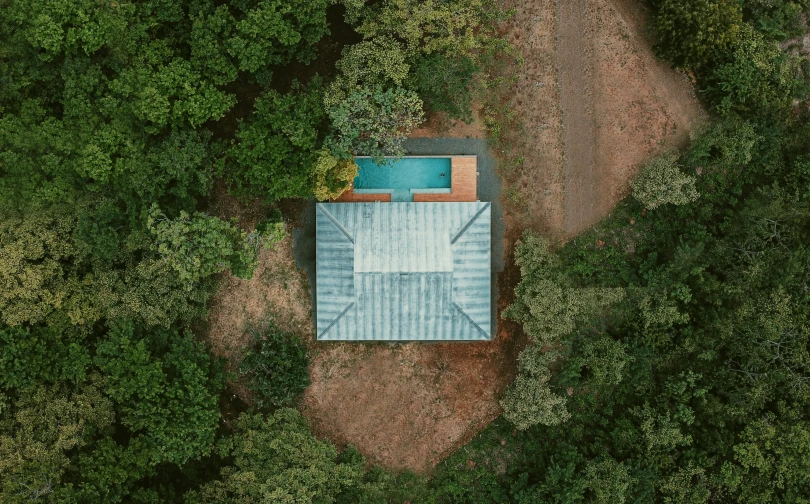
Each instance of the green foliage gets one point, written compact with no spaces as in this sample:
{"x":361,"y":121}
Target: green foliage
{"x":691,"y":32}
{"x":689,"y":389}
{"x":41,"y":355}
{"x":274,"y":32}
{"x":47,"y":426}
{"x":277,"y":366}
{"x":165,"y":391}
{"x":162,"y":96}
{"x":529,"y":400}
{"x":268,"y":232}
{"x":753,"y":76}
{"x":333,"y":176}
{"x":444,"y":85}
{"x":662,"y":181}
{"x":198,"y":246}
{"x":277,"y":459}
{"x":374,"y":122}
{"x":777,"y":19}
{"x":427,"y":26}
{"x":32,"y":272}
{"x":546,"y":306}
{"x":380,"y":62}
{"x":276,"y":149}
{"x":608,"y":480}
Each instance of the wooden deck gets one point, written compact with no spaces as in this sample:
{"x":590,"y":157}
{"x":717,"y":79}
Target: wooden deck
{"x":463,"y":182}
{"x":352,"y":197}
{"x":463,"y":185}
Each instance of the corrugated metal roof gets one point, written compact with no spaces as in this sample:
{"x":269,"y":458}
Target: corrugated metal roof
{"x":403,"y":271}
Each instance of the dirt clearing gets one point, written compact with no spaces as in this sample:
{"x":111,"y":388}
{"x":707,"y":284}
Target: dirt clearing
{"x":407,"y":406}
{"x":594,"y":103}
{"x":278,"y":292}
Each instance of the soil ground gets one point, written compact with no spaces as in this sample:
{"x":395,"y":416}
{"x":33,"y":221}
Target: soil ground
{"x":593,"y":104}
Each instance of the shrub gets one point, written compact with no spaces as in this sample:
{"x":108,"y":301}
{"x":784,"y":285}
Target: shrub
{"x":277,"y":367}
{"x":662,"y":182}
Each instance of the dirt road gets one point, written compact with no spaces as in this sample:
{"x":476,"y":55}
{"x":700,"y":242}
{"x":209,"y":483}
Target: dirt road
{"x":575,"y":74}
{"x":595,"y":104}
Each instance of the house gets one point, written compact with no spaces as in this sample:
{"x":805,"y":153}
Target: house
{"x":403,"y":271}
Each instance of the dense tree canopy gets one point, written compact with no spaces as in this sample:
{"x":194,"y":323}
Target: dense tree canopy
{"x":117,"y":120}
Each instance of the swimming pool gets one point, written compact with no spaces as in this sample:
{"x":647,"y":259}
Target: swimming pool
{"x":422,"y":174}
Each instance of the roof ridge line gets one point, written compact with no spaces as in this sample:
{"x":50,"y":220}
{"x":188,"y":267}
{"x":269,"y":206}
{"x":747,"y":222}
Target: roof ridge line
{"x":469,"y":223}
{"x":467,"y":316}
{"x":335,"y":222}
{"x":336,"y":319}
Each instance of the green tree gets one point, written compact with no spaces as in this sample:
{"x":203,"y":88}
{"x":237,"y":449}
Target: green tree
{"x":754,"y":76}
{"x":546,"y":306}
{"x":661,"y":181}
{"x":444,"y":84}
{"x":277,"y":459}
{"x":39,"y":435}
{"x":691,"y":32}
{"x":165,"y":387}
{"x":608,"y":480}
{"x":374,"y":122}
{"x":276,"y":149}
{"x":529,"y":400}
{"x":277,"y":367}
{"x":771,"y":459}
{"x":36,"y":274}
{"x":448,"y":27}
{"x":275,"y":32}
{"x":41,"y":355}
{"x":198,"y":246}
{"x":333,"y":176}
{"x":371,"y":63}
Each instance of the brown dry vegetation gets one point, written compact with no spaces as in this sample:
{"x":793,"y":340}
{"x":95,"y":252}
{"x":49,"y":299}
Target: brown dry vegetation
{"x":278,"y":292}
{"x":437,"y":125}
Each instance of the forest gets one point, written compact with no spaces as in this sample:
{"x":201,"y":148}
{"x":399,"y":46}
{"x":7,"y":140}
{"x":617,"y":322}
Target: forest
{"x":668,"y":355}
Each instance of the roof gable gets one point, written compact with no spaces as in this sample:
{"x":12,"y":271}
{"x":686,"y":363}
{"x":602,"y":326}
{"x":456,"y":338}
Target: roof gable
{"x":403,"y":271}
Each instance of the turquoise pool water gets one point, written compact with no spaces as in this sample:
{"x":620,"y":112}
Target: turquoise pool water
{"x":400,"y":176}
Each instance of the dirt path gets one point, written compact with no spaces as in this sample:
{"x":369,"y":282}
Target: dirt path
{"x":595,"y":104}
{"x":575,"y":74}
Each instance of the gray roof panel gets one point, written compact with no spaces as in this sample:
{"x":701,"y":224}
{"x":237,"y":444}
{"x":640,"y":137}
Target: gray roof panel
{"x":403,"y":271}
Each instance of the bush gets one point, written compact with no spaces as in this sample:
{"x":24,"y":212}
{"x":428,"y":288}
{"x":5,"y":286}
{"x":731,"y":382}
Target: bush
{"x":662,"y":182}
{"x":277,"y":367}
{"x":332,"y":176}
